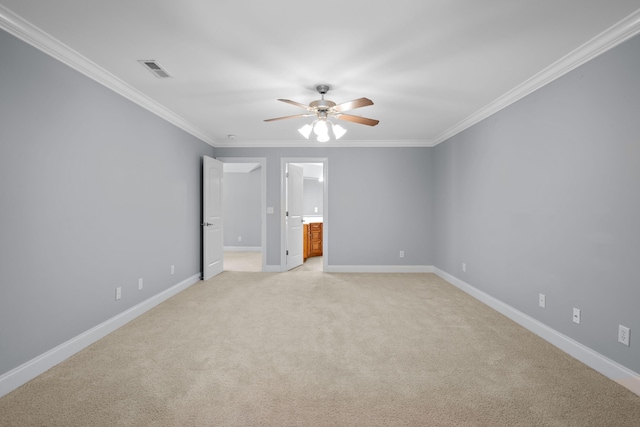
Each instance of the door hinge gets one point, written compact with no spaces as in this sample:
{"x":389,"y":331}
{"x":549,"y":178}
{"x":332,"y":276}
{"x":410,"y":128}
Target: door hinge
{"x":287,"y":213}
{"x":287,"y":252}
{"x":287,"y":174}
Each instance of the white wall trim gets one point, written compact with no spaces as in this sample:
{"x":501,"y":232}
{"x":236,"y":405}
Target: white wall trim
{"x":41,"y":40}
{"x":24,"y":30}
{"x":611,"y":37}
{"x":246,"y":143}
{"x":361,"y":269}
{"x":379,"y":269}
{"x":263,"y":198}
{"x":283,"y":208}
{"x":243,"y":248}
{"x":607,"y":367}
{"x":13,"y":379}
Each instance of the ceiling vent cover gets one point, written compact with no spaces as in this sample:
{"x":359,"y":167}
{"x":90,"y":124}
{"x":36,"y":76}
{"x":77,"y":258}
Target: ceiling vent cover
{"x":155,"y":68}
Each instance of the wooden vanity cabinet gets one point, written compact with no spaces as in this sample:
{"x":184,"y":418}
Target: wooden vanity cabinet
{"x":315,"y":239}
{"x":311,"y":240}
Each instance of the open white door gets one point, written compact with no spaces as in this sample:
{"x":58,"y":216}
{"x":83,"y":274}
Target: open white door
{"x":294,"y":218}
{"x":212,"y":252}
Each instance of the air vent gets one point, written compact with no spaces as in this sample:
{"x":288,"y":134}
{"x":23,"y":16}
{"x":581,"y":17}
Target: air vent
{"x":155,"y":68}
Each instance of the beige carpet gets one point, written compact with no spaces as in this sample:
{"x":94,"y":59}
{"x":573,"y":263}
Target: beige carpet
{"x":242,"y":261}
{"x":314,"y":349}
{"x":252,"y":261}
{"x":311,"y":264}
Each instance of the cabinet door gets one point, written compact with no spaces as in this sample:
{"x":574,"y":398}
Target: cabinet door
{"x":315,"y":239}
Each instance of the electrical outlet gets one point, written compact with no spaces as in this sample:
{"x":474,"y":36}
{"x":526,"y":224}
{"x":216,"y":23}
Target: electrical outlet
{"x":401,"y":254}
{"x":464,"y":267}
{"x":173,"y":269}
{"x":315,"y":209}
{"x":542,"y":300}
{"x":118,"y":293}
{"x":576,"y":315}
{"x":623,"y":335}
{"x":239,"y":238}
{"x":140,"y":284}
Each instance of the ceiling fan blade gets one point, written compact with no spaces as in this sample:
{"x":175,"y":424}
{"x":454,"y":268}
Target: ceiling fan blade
{"x":357,"y":119}
{"x":350,"y":105}
{"x":289,"y":117}
{"x":297,"y":104}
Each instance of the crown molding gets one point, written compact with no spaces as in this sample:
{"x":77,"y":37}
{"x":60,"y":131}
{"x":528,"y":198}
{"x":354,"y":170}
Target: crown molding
{"x":29,"y":33}
{"x":240,"y":143}
{"x":611,"y":37}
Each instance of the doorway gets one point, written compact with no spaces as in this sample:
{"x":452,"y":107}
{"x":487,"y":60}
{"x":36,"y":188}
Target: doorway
{"x":245,"y":236}
{"x":315,"y":209}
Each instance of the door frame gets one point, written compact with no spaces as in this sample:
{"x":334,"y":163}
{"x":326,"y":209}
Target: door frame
{"x":263,"y":197}
{"x":325,"y":207}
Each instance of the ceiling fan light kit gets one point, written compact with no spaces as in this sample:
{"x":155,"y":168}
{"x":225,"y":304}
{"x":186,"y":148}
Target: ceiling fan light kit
{"x":323,"y":109}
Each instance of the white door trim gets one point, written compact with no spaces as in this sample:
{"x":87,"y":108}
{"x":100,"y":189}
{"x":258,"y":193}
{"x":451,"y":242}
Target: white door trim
{"x":325,"y":209}
{"x":263,"y":196}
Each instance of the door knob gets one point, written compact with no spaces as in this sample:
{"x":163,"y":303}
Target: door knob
{"x":206,"y":224}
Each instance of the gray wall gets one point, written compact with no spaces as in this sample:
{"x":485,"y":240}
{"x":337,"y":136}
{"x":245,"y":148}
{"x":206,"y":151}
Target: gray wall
{"x":380,"y":202}
{"x":313,"y":197}
{"x":544,"y":197}
{"x":96,"y":192}
{"x":241,"y":201}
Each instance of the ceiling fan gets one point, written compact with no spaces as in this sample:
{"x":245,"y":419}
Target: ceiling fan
{"x":323,"y":109}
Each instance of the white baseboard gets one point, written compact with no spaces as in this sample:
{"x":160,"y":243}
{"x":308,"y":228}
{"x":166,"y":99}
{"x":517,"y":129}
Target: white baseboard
{"x":243,"y":248}
{"x":607,"y":367}
{"x":379,"y":269}
{"x":362,"y":269}
{"x":36,"y":366}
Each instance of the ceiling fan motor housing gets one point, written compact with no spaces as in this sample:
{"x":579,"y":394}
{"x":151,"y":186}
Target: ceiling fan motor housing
{"x":322,"y":104}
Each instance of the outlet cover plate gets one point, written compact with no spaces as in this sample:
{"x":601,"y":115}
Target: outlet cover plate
{"x":542,"y":300}
{"x":576,"y":315}
{"x":623,"y":335}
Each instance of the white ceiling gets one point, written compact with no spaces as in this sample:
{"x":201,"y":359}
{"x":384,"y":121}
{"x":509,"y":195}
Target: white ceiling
{"x":432,"y":67}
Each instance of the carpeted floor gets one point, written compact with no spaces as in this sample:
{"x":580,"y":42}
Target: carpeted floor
{"x":242,"y":261}
{"x":252,"y":261}
{"x":312,"y":349}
